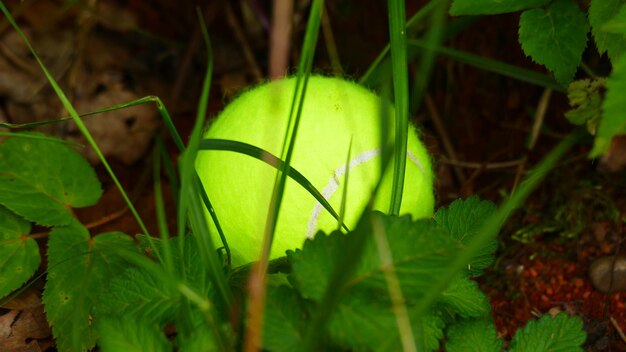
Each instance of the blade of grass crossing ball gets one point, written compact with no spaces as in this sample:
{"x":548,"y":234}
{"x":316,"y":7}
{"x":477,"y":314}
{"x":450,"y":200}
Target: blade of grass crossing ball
{"x":493,"y":224}
{"x":399,"y":69}
{"x":272,"y":160}
{"x":79,"y":123}
{"x":190,"y":205}
{"x":344,"y":194}
{"x":258,"y":277}
{"x":433,"y":38}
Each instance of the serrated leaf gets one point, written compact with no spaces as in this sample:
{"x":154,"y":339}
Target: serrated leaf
{"x":492,"y":7}
{"x":474,"y":335}
{"x":555,"y":37}
{"x":464,"y":297}
{"x":617,"y":24}
{"x":362,"y":322}
{"x":613,"y":120}
{"x":601,"y":12}
{"x":136,"y":293}
{"x":140,"y":294}
{"x":284,"y":319}
{"x":561,"y":333}
{"x":462,"y":219}
{"x":420,"y":253}
{"x":311,"y":264}
{"x":131,"y":335}
{"x":41,"y":179}
{"x":79,"y":269}
{"x":19,"y":255}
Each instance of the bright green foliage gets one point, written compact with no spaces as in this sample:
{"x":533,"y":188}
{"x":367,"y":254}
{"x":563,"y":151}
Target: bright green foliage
{"x":617,"y":25}
{"x":140,"y":294}
{"x":129,"y":335}
{"x":464,"y":297}
{"x":41,"y":179}
{"x":200,"y":340}
{"x":555,"y":37}
{"x":284,"y":319}
{"x":79,"y":269}
{"x":603,"y":26}
{"x":361,"y":323}
{"x":419,"y":256}
{"x":613,"y":119}
{"x":559,"y":334}
{"x":462,"y":220}
{"x":492,"y":7}
{"x":585,"y":97}
{"x":19,"y":255}
{"x":475,"y":335}
{"x":137,"y":293}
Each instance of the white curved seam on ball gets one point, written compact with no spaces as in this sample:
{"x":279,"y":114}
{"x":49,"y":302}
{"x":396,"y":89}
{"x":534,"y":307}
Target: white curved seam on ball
{"x":333,"y":183}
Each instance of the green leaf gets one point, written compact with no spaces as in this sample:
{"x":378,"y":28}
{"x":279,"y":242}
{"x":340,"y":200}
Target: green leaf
{"x":284,"y":319}
{"x":492,"y":7}
{"x":138,"y":293}
{"x":19,"y":255}
{"x":585,"y":98}
{"x":561,"y":333}
{"x":613,"y":121}
{"x":464,"y":297}
{"x":130,"y":335}
{"x":555,"y":37}
{"x":420,"y":253}
{"x":311,"y":264}
{"x":41,"y":179}
{"x":79,"y":270}
{"x":617,"y":25}
{"x":604,"y":22}
{"x":475,"y":335}
{"x":462,"y":219}
{"x":362,"y":322}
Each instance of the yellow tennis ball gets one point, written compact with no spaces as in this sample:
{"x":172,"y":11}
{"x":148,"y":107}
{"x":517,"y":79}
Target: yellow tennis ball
{"x":335,"y":113}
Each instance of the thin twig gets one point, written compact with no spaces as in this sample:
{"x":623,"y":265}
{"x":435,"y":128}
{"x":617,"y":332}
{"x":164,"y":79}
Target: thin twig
{"x":243,"y":41}
{"x":482,"y":166}
{"x":280,"y":37}
{"x":331,"y":45}
{"x":443,"y":134}
{"x":619,"y":330}
{"x":542,"y":107}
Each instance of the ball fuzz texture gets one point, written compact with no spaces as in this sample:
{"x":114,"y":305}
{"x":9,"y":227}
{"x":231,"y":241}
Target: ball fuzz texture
{"x":335,"y":113}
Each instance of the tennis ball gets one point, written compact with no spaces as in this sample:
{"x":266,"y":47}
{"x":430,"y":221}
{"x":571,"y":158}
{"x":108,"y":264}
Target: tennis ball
{"x":335,"y":113}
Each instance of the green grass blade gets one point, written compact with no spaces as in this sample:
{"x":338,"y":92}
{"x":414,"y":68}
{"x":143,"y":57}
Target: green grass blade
{"x":259,"y":275}
{"x":272,"y":160}
{"x":161,"y":216}
{"x":490,"y":65}
{"x":190,"y":205}
{"x":169,"y":124}
{"x":400,"y":73}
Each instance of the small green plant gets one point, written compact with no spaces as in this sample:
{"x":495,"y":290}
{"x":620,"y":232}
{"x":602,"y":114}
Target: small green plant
{"x":390,"y":284}
{"x":554,"y":34}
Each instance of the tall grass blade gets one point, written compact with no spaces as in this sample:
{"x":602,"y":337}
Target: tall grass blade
{"x":257,"y":283}
{"x":400,"y":73}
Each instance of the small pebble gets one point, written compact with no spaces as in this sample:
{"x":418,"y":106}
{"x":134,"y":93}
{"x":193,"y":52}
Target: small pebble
{"x":600,"y":273}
